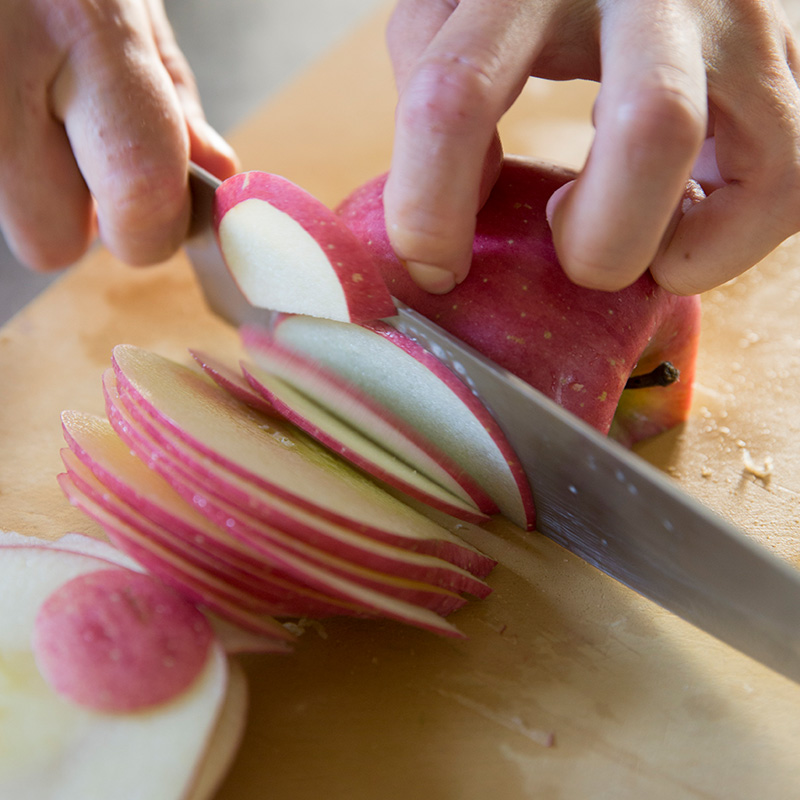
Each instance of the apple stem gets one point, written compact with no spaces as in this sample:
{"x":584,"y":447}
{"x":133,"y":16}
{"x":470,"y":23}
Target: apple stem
{"x":663,"y":375}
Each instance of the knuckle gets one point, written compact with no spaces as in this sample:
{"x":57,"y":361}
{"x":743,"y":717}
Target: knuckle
{"x":448,"y":94}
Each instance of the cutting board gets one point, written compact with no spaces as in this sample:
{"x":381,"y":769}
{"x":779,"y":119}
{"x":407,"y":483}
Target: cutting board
{"x":568,"y":685}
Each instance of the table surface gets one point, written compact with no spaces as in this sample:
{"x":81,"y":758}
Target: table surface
{"x":568,"y":685}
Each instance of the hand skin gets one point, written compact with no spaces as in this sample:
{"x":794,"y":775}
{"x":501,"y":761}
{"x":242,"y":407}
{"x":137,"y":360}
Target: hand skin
{"x":99,"y":115}
{"x":691,"y":89}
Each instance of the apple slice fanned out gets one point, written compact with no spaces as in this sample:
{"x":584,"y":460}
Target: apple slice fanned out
{"x":288,"y":252}
{"x":243,"y":510}
{"x":271,"y":455}
{"x":358,"y":410}
{"x":347,"y":587}
{"x":53,"y":747}
{"x":412,"y":384}
{"x":233,"y":381}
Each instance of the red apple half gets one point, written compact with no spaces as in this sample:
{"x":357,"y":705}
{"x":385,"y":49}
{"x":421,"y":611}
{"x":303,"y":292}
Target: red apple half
{"x":57,"y":749}
{"x":289,"y":252}
{"x":578,"y":346}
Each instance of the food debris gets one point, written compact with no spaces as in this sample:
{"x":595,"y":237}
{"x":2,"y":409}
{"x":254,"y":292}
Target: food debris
{"x":761,"y":471}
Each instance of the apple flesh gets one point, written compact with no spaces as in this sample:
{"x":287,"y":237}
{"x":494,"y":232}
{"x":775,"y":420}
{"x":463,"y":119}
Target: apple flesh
{"x":577,"y":346}
{"x":52,"y":748}
{"x":289,"y":252}
{"x":410,"y":383}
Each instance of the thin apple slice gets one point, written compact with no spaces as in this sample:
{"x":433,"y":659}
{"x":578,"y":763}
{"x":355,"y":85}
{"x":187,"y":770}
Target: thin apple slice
{"x":119,"y":641}
{"x":224,"y":498}
{"x":51,"y":749}
{"x":360,"y":411}
{"x":289,"y":252}
{"x":348,"y":442}
{"x":232,"y":381}
{"x":273,"y":455}
{"x":401,"y":375}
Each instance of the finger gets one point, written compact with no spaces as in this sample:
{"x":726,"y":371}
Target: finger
{"x":45,"y":207}
{"x":758,"y":205}
{"x":447,"y":114}
{"x":127,"y":131}
{"x":650,"y":122}
{"x":412,"y":27}
{"x":207,"y":147}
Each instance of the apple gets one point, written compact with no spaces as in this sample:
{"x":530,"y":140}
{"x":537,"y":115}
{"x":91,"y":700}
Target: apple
{"x":276,"y":237}
{"x":410,"y":383}
{"x":577,"y":346}
{"x":145,"y":698}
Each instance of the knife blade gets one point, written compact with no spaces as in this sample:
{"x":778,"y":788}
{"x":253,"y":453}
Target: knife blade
{"x":593,"y":497}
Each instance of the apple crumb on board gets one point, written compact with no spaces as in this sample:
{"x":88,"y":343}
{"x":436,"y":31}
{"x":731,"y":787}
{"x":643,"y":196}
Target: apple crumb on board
{"x":762,"y":471}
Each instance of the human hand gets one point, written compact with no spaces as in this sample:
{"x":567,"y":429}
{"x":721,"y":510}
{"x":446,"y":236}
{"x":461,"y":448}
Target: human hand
{"x":702,"y":89}
{"x":98,"y":117}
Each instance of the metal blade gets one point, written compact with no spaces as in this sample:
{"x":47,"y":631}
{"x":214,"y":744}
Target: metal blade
{"x":616,"y":511}
{"x":595,"y":498}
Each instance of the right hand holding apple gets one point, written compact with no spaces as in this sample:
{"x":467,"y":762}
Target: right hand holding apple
{"x":690,"y":88}
{"x":98,"y":117}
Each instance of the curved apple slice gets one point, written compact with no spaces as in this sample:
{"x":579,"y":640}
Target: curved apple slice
{"x":289,"y":252}
{"x":52,"y":749}
{"x":232,"y":381}
{"x":401,"y":375}
{"x":274,"y":456}
{"x":359,"y":410}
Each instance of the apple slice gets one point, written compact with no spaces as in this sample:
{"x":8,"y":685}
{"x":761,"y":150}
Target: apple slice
{"x":361,"y":412}
{"x":272,"y":455}
{"x":223,"y":497}
{"x":119,"y":641}
{"x":233,"y":382}
{"x":414,"y":385}
{"x":55,"y":749}
{"x":348,"y":442}
{"x":289,"y":252}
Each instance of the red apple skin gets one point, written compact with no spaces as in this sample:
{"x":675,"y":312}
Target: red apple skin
{"x":365,"y":292}
{"x":577,"y":346}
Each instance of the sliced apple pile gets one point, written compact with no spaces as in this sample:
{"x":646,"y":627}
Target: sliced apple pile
{"x":108,"y":678}
{"x":289,"y":252}
{"x":248,"y":517}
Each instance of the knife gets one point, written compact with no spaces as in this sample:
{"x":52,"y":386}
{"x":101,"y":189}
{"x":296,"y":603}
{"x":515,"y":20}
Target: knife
{"x":593,"y":497}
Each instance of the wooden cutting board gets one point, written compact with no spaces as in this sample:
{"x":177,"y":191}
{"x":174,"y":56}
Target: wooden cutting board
{"x":569,"y":685}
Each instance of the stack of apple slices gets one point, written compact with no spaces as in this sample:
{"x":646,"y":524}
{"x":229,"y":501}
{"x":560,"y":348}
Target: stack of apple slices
{"x":247,"y":516}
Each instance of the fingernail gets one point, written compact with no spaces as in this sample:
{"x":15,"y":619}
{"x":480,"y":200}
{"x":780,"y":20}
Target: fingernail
{"x":555,"y":200}
{"x":432,"y":279}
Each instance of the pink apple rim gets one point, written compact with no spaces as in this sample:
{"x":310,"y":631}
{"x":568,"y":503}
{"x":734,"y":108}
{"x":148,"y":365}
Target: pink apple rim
{"x":288,"y":252}
{"x":120,"y":641}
